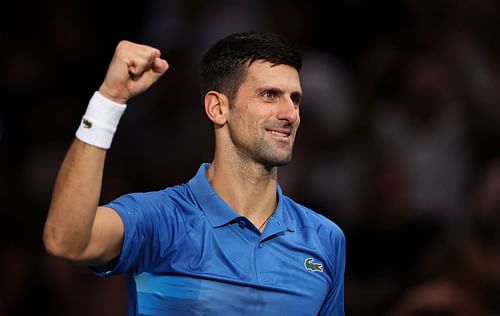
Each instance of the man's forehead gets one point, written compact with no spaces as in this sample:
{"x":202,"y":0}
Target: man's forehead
{"x":263,"y":71}
{"x":261,"y":63}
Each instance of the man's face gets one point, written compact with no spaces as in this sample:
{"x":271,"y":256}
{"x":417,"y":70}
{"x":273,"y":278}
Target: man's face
{"x":264,"y":116}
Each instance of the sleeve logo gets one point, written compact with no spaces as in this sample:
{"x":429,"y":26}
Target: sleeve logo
{"x":310,"y":265}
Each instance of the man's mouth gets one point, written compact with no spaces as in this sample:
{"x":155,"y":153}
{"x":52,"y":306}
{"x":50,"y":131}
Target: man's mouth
{"x":280,"y":133}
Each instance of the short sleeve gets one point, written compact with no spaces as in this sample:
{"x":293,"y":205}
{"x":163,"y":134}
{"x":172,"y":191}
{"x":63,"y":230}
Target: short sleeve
{"x":334,"y":302}
{"x":141,"y":216}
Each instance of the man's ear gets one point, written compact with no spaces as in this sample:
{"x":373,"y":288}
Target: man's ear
{"x":216,"y":106}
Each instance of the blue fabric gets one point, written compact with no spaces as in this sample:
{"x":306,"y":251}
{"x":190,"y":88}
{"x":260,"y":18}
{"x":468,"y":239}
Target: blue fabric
{"x":186,"y":252}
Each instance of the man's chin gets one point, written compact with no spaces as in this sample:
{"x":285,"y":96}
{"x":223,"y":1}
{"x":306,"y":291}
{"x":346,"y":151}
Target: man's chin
{"x":277,"y":162}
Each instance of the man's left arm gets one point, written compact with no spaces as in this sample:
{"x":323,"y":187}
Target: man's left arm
{"x":334,"y":301}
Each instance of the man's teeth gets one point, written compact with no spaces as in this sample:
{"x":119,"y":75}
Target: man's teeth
{"x":279,"y":133}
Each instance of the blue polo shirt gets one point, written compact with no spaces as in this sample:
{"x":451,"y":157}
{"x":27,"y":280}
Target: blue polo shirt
{"x":186,"y":252}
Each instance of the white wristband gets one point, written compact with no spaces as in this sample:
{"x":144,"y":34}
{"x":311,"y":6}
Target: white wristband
{"x":100,"y":121}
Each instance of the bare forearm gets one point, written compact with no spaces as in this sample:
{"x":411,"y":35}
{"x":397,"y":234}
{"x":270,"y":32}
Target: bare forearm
{"x":74,"y":201}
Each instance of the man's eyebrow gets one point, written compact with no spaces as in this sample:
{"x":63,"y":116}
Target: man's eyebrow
{"x":270,"y":88}
{"x":280,"y":91}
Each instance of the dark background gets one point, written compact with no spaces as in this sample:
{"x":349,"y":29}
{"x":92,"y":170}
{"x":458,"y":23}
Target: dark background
{"x":399,"y":142}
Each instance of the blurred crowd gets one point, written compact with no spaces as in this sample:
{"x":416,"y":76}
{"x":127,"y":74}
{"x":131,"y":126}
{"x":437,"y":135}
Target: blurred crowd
{"x":399,"y":142}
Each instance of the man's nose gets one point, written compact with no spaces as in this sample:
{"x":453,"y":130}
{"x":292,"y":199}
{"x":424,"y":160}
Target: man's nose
{"x":288,"y":110}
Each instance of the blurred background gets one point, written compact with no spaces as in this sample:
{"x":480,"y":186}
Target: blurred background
{"x":399,"y":143}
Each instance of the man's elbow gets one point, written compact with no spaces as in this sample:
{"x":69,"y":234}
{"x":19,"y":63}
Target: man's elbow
{"x":57,"y":245}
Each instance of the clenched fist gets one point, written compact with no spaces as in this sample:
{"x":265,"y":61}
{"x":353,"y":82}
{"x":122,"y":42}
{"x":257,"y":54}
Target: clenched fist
{"x":133,"y":69}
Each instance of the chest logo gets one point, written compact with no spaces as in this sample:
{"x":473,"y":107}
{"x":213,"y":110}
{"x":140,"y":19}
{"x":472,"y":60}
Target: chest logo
{"x":310,"y":265}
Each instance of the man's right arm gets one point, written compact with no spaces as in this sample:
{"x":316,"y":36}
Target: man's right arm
{"x":76,"y":228}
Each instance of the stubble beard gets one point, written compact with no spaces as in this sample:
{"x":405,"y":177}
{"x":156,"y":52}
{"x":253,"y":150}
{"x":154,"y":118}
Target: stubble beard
{"x":265,"y":153}
{"x":270,"y":156}
{"x":262,"y":150}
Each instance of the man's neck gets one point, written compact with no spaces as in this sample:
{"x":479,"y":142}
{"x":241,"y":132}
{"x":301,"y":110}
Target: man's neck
{"x":248,"y":188}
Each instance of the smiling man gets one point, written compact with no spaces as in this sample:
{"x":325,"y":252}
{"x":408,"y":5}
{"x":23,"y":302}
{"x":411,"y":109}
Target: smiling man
{"x":228,"y":242}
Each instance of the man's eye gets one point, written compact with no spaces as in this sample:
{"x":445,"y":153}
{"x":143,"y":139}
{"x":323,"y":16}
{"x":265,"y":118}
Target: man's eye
{"x":268,"y":94}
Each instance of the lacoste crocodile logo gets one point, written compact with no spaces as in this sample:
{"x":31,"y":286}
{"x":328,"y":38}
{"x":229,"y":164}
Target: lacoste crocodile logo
{"x":309,"y":264}
{"x":86,"y":123}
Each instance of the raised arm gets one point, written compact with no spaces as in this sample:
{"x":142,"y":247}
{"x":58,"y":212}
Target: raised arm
{"x":76,"y":228}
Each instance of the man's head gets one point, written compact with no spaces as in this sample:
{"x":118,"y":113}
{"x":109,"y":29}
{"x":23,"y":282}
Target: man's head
{"x":224,"y":65}
{"x":252,"y":95}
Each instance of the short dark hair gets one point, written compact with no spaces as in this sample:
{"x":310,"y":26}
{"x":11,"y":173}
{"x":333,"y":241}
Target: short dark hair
{"x":224,"y":65}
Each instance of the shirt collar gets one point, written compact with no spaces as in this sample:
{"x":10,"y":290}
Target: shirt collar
{"x":216,"y":210}
{"x":281,"y":216}
{"x":219,"y":213}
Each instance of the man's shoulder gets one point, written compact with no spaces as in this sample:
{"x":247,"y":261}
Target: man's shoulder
{"x":172,"y":195}
{"x":306,"y":217}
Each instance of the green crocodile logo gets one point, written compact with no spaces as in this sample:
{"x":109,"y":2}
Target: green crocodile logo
{"x":309,"y":264}
{"x":86,"y":123}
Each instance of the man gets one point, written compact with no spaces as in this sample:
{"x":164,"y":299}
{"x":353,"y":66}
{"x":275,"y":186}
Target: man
{"x":228,"y":242}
